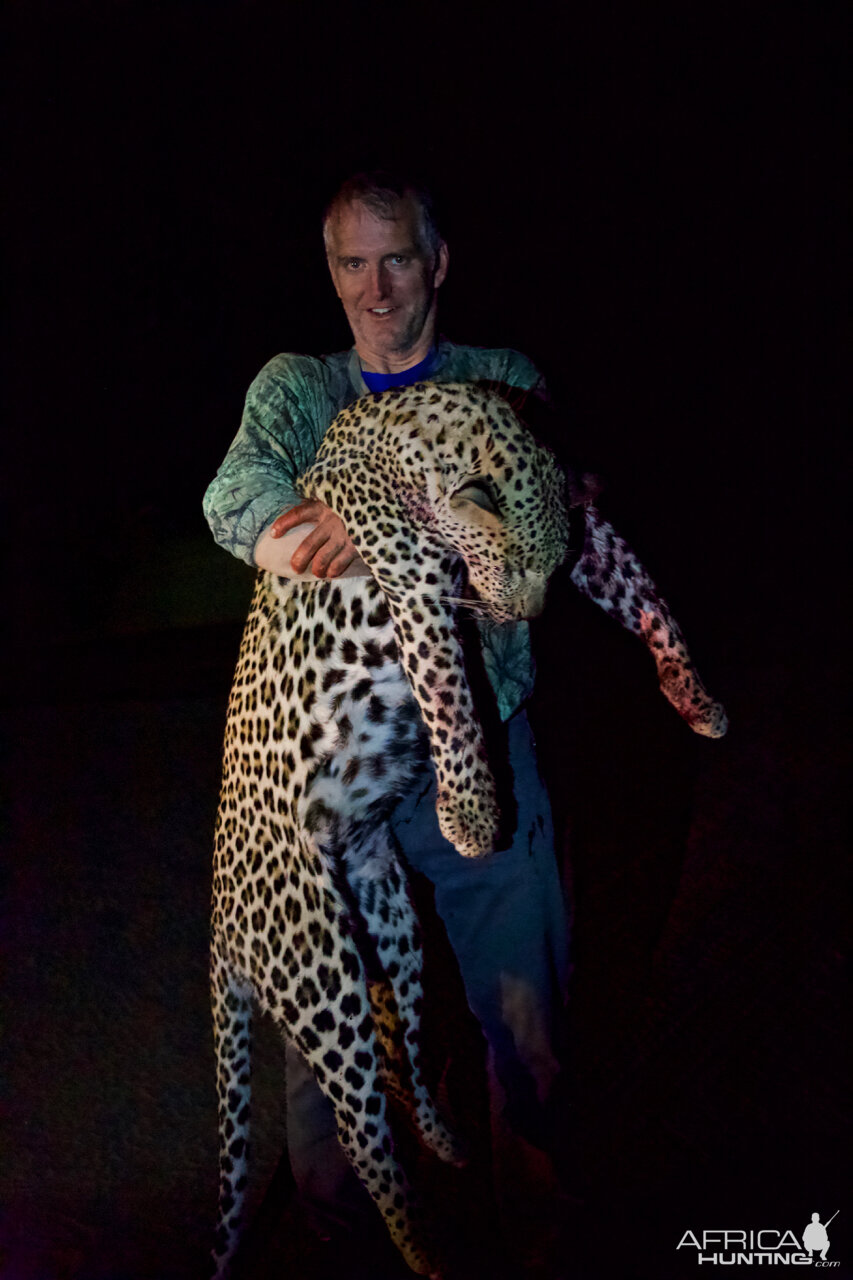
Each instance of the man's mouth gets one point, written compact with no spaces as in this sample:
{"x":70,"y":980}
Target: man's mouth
{"x":381,"y":311}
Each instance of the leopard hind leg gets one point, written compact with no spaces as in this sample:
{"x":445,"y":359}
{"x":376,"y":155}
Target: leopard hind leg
{"x":385,"y":907}
{"x":336,"y":1034}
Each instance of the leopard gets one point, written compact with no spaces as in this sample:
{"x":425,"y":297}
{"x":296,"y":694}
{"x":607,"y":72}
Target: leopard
{"x":345,"y":691}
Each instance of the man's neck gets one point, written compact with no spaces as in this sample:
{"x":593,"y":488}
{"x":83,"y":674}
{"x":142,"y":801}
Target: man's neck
{"x":396,"y":361}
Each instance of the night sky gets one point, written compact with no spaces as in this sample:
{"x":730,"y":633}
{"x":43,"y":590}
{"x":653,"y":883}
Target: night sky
{"x":645,"y":203}
{"x":646,"y":200}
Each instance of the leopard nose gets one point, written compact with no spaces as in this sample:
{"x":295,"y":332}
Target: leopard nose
{"x":532,"y":595}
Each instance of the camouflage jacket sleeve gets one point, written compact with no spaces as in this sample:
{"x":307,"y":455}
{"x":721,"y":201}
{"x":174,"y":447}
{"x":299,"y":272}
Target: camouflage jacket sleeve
{"x":282,"y":425}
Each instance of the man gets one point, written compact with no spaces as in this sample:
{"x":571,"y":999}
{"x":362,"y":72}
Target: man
{"x":504,"y":915}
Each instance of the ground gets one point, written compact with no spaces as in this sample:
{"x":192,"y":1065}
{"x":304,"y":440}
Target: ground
{"x":705,"y":1016}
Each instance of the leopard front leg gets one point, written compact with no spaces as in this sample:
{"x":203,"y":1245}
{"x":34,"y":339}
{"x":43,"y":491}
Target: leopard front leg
{"x":678,"y":678}
{"x":432,"y":657}
{"x":610,"y":574}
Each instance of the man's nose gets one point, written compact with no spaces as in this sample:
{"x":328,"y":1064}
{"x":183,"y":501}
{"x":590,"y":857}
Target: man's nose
{"x":380,"y":283}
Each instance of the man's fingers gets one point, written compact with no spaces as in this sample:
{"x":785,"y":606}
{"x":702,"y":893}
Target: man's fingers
{"x":322,"y":563}
{"x":309,"y":546}
{"x":326,"y":547}
{"x":346,"y":557}
{"x":305,"y":513}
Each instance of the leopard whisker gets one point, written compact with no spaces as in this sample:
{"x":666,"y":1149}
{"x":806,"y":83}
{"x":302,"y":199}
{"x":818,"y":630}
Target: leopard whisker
{"x":476,"y":606}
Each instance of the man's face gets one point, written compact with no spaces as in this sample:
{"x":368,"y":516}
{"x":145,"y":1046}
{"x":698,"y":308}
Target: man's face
{"x":386,"y":279}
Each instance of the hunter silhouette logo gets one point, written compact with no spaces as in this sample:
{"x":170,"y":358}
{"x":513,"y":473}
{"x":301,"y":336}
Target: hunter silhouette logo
{"x":767,"y":1247}
{"x":815,"y":1238}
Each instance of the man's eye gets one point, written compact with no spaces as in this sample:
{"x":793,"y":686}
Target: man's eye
{"x":353,"y":264}
{"x":399,"y":260}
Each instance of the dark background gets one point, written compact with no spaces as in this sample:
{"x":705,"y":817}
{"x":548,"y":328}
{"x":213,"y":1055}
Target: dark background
{"x":648,"y":202}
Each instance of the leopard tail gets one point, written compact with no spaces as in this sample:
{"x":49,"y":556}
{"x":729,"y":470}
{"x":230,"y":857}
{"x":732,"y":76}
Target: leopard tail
{"x":232,"y":1029}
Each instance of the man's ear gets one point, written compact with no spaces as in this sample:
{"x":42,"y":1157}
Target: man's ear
{"x":442,"y":259}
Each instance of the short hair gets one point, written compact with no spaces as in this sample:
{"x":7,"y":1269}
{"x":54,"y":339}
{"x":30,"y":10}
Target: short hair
{"x":381,"y":190}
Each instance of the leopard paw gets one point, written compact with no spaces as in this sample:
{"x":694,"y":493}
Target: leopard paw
{"x":693,"y":704}
{"x":473,"y":832}
{"x":711,"y":721}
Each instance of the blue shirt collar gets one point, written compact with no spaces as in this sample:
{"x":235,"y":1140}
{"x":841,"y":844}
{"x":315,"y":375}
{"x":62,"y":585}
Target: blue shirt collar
{"x":418,"y":373}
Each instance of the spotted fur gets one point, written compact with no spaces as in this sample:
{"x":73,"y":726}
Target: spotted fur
{"x":343,"y":692}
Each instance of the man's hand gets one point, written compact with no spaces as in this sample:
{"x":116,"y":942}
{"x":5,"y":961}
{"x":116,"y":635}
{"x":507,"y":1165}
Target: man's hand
{"x":327,"y":548}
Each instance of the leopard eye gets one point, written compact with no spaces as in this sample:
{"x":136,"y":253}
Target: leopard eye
{"x":481,"y":494}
